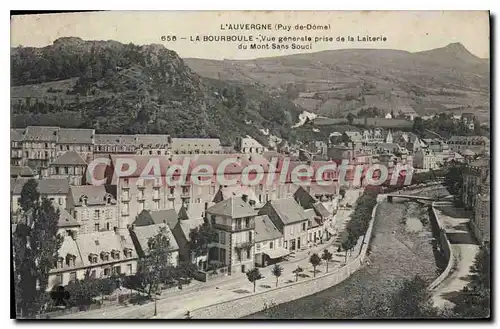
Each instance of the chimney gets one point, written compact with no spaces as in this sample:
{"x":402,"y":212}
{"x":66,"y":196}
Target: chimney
{"x":244,"y":197}
{"x":73,"y":234}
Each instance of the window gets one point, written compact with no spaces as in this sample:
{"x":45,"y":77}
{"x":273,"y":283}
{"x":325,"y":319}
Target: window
{"x":106,"y":272}
{"x":129,"y":269}
{"x":125,"y":181}
{"x":304,"y":226}
{"x":258,"y":246}
{"x":238,"y":224}
{"x":248,"y":253}
{"x":247,"y":222}
{"x":117,"y":270}
{"x":96,"y":214}
{"x":107,"y":226}
{"x":93,"y":274}
{"x":222,"y":237}
{"x":250,"y":236}
{"x":286,"y":244}
{"x":59,"y":279}
{"x":125,"y":209}
{"x":72,"y":276}
{"x":157,"y":204}
{"x":271,"y":245}
{"x":141,"y":206}
{"x":172,"y":190}
{"x":60,"y":201}
{"x":96,"y":227}
{"x":212,"y":219}
{"x":60,"y":262}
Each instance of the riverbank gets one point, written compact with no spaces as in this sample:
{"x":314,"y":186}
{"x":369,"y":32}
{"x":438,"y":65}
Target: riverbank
{"x":397,"y":252}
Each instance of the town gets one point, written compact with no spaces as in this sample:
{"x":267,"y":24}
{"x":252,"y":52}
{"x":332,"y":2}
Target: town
{"x":216,"y":231}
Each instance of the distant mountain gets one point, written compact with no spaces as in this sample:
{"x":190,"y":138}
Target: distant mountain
{"x":456,"y":52}
{"x":125,"y":88}
{"x":334,"y":83}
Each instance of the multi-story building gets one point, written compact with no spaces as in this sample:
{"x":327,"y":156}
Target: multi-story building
{"x":69,"y":165}
{"x":476,"y":144}
{"x":21,"y":171}
{"x":480,"y":224}
{"x":250,"y":145}
{"x":152,"y":144}
{"x":54,"y":189}
{"x":473,"y":175}
{"x":234,"y":222}
{"x":195,"y":146}
{"x":268,"y":242}
{"x":39,"y":146}
{"x":16,"y":146}
{"x":290,"y":219}
{"x":105,"y":144}
{"x":94,"y":208}
{"x":425,"y":159}
{"x":77,"y":140}
{"x":102,"y":254}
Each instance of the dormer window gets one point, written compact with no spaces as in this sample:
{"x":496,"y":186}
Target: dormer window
{"x":83,"y":200}
{"x":93,"y":258}
{"x":107,"y":198}
{"x":105,"y":256}
{"x":70,"y":260}
{"x":60,"y":262}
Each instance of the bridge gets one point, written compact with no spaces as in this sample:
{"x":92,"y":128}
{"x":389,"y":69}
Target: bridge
{"x":411,"y":197}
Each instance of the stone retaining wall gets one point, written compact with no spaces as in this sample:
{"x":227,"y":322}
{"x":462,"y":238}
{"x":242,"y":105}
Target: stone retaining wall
{"x":243,"y":306}
{"x":445,"y":245}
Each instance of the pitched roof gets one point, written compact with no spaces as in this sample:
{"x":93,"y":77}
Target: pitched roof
{"x":475,"y":139}
{"x":106,"y":241}
{"x":45,"y":185}
{"x":287,"y":210}
{"x":183,"y":215}
{"x":265,"y":229}
{"x":105,"y":139}
{"x":70,"y":246}
{"x":311,"y":215}
{"x":96,"y":195}
{"x":24,"y":171}
{"x":40,"y":133}
{"x":143,"y":233}
{"x":16,"y":135}
{"x":65,"y":219}
{"x":75,"y":136}
{"x":234,"y":207}
{"x":168,"y":215}
{"x":157,"y":141}
{"x":235,"y":191}
{"x":69,"y":158}
{"x":190,"y":224}
{"x":321,"y":210}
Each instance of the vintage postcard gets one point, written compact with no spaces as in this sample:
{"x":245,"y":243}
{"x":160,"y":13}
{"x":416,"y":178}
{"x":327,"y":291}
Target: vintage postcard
{"x":246,"y":164}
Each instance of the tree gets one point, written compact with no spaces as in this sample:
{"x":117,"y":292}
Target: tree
{"x":342,"y":192}
{"x":297,"y":271}
{"x":199,"y":239}
{"x":36,"y":244}
{"x":327,"y":257}
{"x":253,"y":275}
{"x":156,"y":262}
{"x":476,"y":296}
{"x":413,"y":300}
{"x":350,"y":118}
{"x":82,"y":292}
{"x":418,"y":125}
{"x":348,"y":242}
{"x":277,"y":271}
{"x":315,"y":260}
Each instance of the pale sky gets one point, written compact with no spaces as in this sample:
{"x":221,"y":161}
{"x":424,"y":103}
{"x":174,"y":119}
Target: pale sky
{"x":404,"y":30}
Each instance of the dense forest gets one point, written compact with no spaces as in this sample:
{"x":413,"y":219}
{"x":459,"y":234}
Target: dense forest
{"x":125,"y":88}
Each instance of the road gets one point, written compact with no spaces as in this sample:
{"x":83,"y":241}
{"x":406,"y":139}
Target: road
{"x":464,"y":249}
{"x":174,"y":303}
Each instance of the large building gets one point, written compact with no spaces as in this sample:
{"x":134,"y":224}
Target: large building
{"x":476,"y":144}
{"x":474,"y":174}
{"x":234,"y":222}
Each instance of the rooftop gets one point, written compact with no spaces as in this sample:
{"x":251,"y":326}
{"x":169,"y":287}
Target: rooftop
{"x":233,"y":207}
